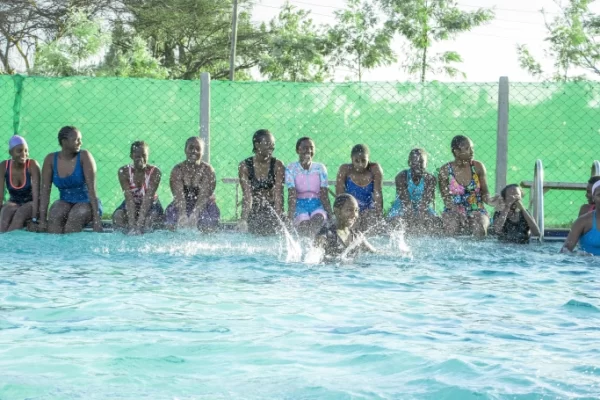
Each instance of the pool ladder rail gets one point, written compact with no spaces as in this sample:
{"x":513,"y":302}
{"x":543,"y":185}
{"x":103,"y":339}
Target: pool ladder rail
{"x":536,"y":204}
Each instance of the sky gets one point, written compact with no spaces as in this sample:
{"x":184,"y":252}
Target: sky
{"x":488,"y":51}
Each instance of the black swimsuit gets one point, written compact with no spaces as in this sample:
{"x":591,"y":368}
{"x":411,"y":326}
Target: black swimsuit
{"x":262,"y":219}
{"x":514,"y":232}
{"x":334,"y":245}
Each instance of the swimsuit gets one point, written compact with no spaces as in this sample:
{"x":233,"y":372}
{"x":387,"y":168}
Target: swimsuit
{"x":467,"y":198}
{"x":308,"y":184}
{"x":415,"y":194}
{"x":138,"y":193}
{"x":208,"y":218}
{"x":334,"y":245}
{"x":262,"y":219}
{"x":19,"y":195}
{"x":514,"y":232}
{"x":362,"y":194}
{"x":73,"y":188}
{"x":590,"y":241}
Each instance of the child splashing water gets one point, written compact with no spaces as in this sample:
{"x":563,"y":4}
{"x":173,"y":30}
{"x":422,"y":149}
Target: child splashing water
{"x":308,"y":196}
{"x":337,"y":239}
{"x":363,"y":180}
{"x":21,"y":176}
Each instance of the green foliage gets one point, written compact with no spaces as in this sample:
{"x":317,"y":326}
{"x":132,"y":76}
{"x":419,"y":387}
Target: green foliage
{"x":572,"y":38}
{"x":358,"y":41}
{"x":296,"y":49}
{"x":72,"y":50}
{"x":425,"y":22}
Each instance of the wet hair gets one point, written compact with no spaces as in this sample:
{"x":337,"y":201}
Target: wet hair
{"x":503,"y":191}
{"x":419,"y":150}
{"x":342,"y":199}
{"x":593,"y":179}
{"x":360,"y":149}
{"x":302,"y":139}
{"x":459,"y":140}
{"x":258,"y":136}
{"x":137,"y":144}
{"x":187,"y":142}
{"x":64,"y":133}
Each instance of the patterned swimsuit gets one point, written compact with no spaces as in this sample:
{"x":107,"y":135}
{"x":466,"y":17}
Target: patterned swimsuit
{"x":467,"y":198}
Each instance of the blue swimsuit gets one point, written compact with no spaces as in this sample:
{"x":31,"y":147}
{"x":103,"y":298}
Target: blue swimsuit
{"x":72,"y":188}
{"x":18,"y":195}
{"x":415,"y":194}
{"x":590,"y":242}
{"x":362,"y":194}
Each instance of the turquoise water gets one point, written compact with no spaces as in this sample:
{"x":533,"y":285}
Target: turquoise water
{"x":184,"y":316}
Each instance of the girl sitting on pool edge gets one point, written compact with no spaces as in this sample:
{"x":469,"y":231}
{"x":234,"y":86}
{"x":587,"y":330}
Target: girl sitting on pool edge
{"x":308,"y":190}
{"x":363,"y":180}
{"x":21,"y":176}
{"x":141,"y":210}
{"x":193,"y":183}
{"x":336,"y":238}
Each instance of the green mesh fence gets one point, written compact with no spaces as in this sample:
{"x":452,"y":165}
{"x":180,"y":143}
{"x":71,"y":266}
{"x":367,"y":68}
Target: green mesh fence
{"x":555,"y":122}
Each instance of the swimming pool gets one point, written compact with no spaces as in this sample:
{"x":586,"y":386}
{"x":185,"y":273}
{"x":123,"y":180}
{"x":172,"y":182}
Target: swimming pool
{"x":185,"y":316}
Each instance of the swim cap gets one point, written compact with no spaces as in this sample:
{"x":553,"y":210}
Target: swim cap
{"x":596,"y":186}
{"x":15,"y":141}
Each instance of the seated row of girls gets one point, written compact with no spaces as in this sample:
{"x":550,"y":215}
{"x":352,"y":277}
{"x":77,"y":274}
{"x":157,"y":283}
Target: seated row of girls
{"x":73,"y":172}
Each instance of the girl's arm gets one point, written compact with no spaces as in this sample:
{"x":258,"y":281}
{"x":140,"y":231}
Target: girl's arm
{"x":207,"y":188}
{"x":89,"y":173}
{"x":123,"y":176}
{"x":402,"y":191}
{"x":2,"y":172}
{"x":45,"y":190}
{"x":340,"y":180}
{"x":584,"y":209}
{"x":246,"y":190}
{"x":482,"y":173}
{"x":366,"y":246}
{"x":148,"y":199}
{"x":500,"y":219}
{"x":574,"y":234}
{"x":34,"y":169}
{"x":292,"y":197}
{"x":429,"y":193}
{"x":278,"y":187}
{"x":176,"y":185}
{"x":444,"y":183}
{"x":533,"y":227}
{"x":377,"y":172}
{"x":324,"y":195}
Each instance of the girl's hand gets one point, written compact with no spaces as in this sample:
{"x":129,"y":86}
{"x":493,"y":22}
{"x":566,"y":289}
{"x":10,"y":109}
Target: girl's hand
{"x":242,"y":226}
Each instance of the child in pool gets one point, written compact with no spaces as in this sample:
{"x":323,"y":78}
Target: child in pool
{"x":73,"y":172}
{"x":415,"y":188}
{"x":141,"y":210}
{"x":512,"y":221}
{"x":363,"y":180}
{"x":464,"y":189}
{"x":586,"y":208}
{"x":21,"y":176}
{"x":308,"y":195}
{"x":335,"y":239}
{"x":193,"y":183}
{"x":585,"y":229}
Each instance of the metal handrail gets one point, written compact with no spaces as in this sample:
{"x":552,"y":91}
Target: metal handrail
{"x":596,"y":168}
{"x":537,"y":196}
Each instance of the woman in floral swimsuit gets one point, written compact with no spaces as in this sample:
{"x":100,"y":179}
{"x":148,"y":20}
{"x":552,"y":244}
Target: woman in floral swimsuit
{"x":463,"y":186}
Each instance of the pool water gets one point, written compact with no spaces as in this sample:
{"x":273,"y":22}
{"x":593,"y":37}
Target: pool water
{"x":186,"y":316}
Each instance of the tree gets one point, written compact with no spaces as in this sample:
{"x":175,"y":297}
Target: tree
{"x":296,"y":50}
{"x":358,"y":41}
{"x":572,"y":38}
{"x":70,"y":53}
{"x":425,"y":22}
{"x":193,"y":36}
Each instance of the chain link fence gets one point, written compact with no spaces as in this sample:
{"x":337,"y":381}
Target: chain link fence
{"x":555,"y":122}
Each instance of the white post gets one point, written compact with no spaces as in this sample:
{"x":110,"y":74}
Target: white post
{"x":502,"y":135}
{"x":205,"y":114}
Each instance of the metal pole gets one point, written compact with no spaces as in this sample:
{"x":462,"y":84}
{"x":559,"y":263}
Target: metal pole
{"x":502,"y":135}
{"x":234,"y":25}
{"x":205,"y":114}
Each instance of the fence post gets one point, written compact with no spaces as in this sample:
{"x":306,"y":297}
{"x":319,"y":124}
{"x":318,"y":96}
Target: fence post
{"x":502,"y":135}
{"x":18,"y":83}
{"x":205,"y":114}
